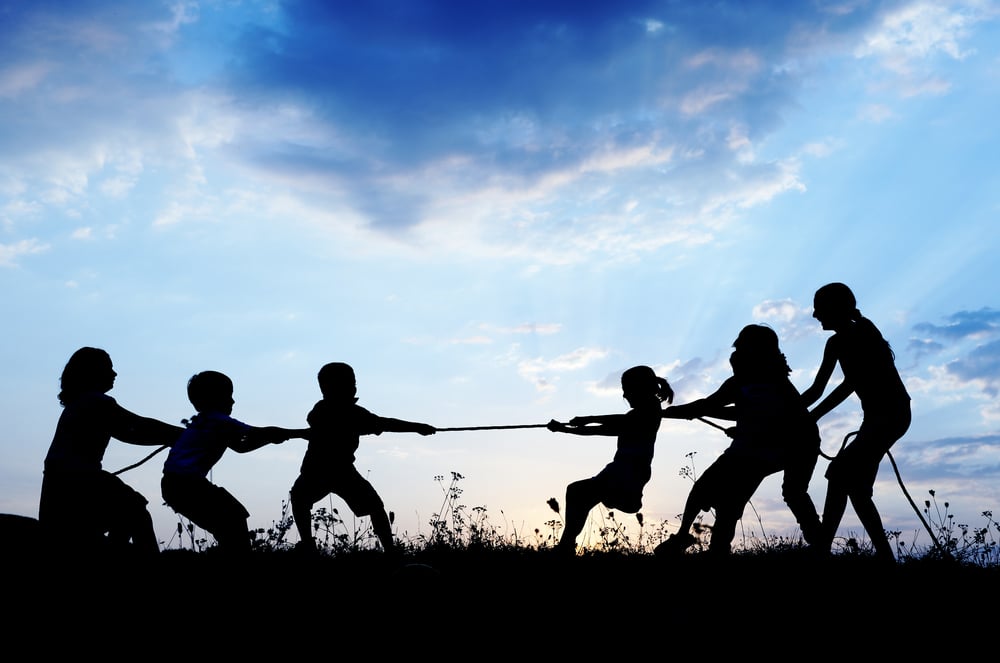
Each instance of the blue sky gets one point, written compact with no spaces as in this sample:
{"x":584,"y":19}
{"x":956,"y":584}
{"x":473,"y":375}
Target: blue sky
{"x":491,"y":210}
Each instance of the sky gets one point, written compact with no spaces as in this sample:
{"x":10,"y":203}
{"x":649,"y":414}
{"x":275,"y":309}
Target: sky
{"x":491,"y":210}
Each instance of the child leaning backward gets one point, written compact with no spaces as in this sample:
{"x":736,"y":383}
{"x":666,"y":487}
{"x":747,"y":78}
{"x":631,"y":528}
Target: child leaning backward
{"x":185,"y":486}
{"x":620,"y":484}
{"x":337,"y":423}
{"x":774,"y":433}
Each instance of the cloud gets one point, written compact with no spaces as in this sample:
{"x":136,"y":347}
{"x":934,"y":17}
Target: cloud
{"x":21,"y":78}
{"x":908,"y":39}
{"x":967,"y":368}
{"x":533,"y":101}
{"x":538,"y":370}
{"x":471,"y":340}
{"x":695,"y":378}
{"x":789,"y":320}
{"x":9,"y":253}
{"x":782,"y":311}
{"x":876,"y":113}
{"x":981,"y":366}
{"x":182,"y":12}
{"x":510,"y":128}
{"x":923,"y":347}
{"x":964,"y":324}
{"x":540,"y":328}
{"x":920,"y":30}
{"x":973,"y":457}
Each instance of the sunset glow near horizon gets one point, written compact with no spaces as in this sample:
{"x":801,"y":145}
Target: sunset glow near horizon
{"x":490,"y":210}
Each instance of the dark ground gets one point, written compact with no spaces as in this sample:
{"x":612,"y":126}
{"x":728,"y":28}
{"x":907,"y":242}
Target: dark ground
{"x":495,"y":603}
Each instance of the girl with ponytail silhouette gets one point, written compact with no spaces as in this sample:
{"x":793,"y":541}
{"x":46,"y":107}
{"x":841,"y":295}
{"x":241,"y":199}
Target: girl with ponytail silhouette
{"x":868,"y":365}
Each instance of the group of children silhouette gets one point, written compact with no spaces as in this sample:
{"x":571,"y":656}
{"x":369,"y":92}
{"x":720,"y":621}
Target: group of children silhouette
{"x":773,"y":431}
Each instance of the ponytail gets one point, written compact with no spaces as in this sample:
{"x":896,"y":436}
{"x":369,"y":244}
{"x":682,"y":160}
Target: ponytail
{"x":664,"y":391}
{"x":870,"y":328}
{"x":644,"y":379}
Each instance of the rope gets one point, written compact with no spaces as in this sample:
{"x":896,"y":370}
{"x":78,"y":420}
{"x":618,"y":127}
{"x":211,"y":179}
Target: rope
{"x":491,"y":427}
{"x":937,"y":544}
{"x":135,"y":465}
{"x":895,"y":468}
{"x":906,"y":493}
{"x":711,"y":423}
{"x":842,"y":445}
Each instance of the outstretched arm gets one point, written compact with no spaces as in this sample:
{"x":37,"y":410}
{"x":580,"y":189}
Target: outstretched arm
{"x":134,"y":429}
{"x":577,"y":426}
{"x":596,"y":419}
{"x":727,"y":412}
{"x":700,"y":408}
{"x":391,"y":425}
{"x":718,"y":405}
{"x":256,"y":437}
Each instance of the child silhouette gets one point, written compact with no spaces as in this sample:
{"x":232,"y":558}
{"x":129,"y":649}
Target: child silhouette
{"x":337,"y":423}
{"x":620,"y":484}
{"x":773,"y":433}
{"x":185,"y":485}
{"x":869,"y":370}
{"x":78,"y":496}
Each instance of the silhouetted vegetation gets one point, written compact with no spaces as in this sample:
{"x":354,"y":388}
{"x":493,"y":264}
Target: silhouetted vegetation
{"x":470,"y":581}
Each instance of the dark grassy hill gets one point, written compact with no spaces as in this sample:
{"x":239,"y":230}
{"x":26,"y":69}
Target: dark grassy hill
{"x":437,"y":600}
{"x":491,"y":601}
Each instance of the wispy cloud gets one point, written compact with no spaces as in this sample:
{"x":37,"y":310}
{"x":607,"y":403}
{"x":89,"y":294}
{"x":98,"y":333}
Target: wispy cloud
{"x":980,"y":324}
{"x":10,"y":253}
{"x":981,"y":367}
{"x":910,"y":37}
{"x":544,"y":373}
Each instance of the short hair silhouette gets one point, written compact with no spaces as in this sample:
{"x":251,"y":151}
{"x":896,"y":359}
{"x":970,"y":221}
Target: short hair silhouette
{"x":337,"y":380}
{"x":210,"y":390}
{"x":336,"y":374}
{"x":336,"y":424}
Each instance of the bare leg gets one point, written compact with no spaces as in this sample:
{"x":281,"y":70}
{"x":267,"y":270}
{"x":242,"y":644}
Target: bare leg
{"x":302,"y":515}
{"x":580,"y":499}
{"x":864,"y":506}
{"x":724,"y":530}
{"x":383,"y":530}
{"x":143,"y":534}
{"x":795,"y":492}
{"x":691,"y":511}
{"x":234,"y":537}
{"x":677,"y":543}
{"x":833,"y":512}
